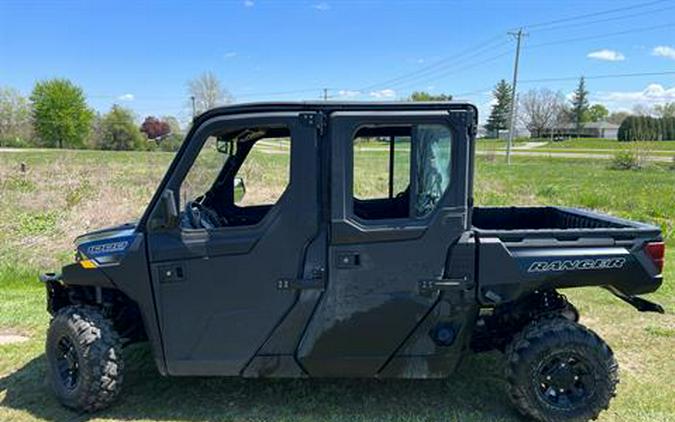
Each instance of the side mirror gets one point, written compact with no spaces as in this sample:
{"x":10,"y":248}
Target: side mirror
{"x":168,"y":204}
{"x":165,"y":214}
{"x":239,"y":189}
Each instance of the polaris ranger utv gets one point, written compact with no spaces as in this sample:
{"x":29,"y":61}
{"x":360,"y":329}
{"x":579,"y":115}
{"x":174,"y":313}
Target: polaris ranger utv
{"x":359,"y":253}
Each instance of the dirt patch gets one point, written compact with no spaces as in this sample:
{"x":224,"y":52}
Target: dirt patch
{"x":12,"y":338}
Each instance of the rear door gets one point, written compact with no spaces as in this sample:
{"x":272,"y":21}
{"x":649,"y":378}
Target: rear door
{"x":398,"y":203}
{"x":218,"y":290}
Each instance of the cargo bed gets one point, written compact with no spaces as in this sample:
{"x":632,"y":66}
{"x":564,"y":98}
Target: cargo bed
{"x":517,"y":223}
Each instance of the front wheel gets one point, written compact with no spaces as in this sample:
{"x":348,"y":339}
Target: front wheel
{"x":84,"y":358}
{"x":558,"y":370}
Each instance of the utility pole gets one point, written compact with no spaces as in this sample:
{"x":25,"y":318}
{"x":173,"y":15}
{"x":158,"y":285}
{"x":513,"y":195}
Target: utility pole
{"x":512,"y":126}
{"x":325,"y":94}
{"x":194,"y":109}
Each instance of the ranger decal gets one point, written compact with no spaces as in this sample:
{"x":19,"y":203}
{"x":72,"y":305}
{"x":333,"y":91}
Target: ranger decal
{"x":576,"y":264}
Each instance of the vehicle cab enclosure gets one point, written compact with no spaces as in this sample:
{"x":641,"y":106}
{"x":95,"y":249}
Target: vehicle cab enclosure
{"x":340,"y":239}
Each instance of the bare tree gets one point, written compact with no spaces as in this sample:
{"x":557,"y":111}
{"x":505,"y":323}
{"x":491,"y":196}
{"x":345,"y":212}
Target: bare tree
{"x":541,"y":110}
{"x":643,"y":110}
{"x":665,"y":110}
{"x":207,"y":92}
{"x":15,"y":113}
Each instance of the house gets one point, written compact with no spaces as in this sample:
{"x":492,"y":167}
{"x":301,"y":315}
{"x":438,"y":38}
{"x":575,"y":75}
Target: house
{"x":604,"y":130}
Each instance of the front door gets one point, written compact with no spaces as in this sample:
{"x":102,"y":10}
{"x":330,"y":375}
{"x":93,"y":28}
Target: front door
{"x":216,"y":273}
{"x":398,"y":203}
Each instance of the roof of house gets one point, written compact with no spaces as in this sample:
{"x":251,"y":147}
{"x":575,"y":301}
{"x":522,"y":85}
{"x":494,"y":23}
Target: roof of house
{"x":600,"y":125}
{"x":590,"y":125}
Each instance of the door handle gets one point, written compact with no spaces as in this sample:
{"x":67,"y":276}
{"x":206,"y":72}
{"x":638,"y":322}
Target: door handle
{"x":348,"y":260}
{"x":171,"y":273}
{"x":443,"y":284}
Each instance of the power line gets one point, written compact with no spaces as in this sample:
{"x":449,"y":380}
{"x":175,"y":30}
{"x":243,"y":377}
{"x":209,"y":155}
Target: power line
{"x":454,"y":71}
{"x":606,"y":76}
{"x":476,"y":49}
{"x":598,"y":36}
{"x":610,"y":19}
{"x":593,"y":14}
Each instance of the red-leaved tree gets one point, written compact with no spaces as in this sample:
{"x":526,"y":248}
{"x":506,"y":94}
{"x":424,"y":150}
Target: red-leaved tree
{"x":155,"y":128}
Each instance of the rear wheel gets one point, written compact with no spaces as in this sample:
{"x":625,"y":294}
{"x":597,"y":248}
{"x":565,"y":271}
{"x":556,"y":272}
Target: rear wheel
{"x":84,"y":358}
{"x":558,"y":370}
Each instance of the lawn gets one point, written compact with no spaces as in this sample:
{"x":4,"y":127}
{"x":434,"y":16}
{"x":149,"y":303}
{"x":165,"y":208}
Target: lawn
{"x":64,"y":193}
{"x":581,"y":145}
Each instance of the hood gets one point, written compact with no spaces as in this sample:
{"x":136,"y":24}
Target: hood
{"x":108,"y":245}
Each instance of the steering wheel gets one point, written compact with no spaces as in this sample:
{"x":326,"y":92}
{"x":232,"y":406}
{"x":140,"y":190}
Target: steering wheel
{"x":198,"y":216}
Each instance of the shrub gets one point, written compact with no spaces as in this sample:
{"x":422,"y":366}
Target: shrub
{"x":14,"y":142}
{"x":626,"y":159}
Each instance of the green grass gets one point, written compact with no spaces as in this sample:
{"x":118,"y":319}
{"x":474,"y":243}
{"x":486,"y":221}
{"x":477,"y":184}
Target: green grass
{"x":86,"y":189}
{"x":580,"y":145}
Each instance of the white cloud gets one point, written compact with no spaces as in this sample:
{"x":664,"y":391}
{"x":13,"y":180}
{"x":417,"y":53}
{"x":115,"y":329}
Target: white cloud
{"x":126,"y":97}
{"x":652,"y":94}
{"x":383,"y":93}
{"x":249,"y":3}
{"x":664,"y":51}
{"x":347,"y":93}
{"x":323,"y":6}
{"x":607,"y":55}
{"x":230,"y":54}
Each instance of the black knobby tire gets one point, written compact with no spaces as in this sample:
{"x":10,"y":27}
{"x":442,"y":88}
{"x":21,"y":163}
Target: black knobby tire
{"x":558,"y":370}
{"x":85,"y":366}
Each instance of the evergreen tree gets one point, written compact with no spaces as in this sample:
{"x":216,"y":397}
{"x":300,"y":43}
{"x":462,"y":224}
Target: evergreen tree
{"x":580,"y":105}
{"x":499,"y":115}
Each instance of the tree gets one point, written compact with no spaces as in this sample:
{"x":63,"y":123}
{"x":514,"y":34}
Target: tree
{"x":425,"y":96}
{"x":60,"y":113}
{"x":596,"y":113}
{"x":665,"y":110}
{"x":207,"y":92}
{"x":15,"y":113}
{"x":642,"y":110}
{"x":155,"y":128}
{"x":174,"y":125}
{"x":580,"y":105}
{"x":647,"y":128}
{"x":499,"y":115}
{"x":541,"y":110}
{"x":617,"y":117}
{"x":166,"y":131}
{"x":119,"y":131}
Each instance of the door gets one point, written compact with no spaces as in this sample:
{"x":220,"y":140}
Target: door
{"x":217,"y":272}
{"x":398,"y":203}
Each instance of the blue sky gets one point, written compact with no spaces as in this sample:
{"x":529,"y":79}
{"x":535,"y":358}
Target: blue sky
{"x":141,"y":53}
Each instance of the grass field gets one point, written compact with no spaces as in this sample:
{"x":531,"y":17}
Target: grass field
{"x":661,"y":148}
{"x":65,"y":193}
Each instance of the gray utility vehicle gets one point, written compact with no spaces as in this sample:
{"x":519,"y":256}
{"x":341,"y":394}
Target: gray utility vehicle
{"x":358,"y":253}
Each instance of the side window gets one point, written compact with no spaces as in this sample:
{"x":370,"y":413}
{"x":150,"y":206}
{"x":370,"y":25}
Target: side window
{"x":433,"y":167}
{"x":238,"y":175}
{"x":400,"y":171}
{"x":381,"y":177}
{"x":203,"y":172}
{"x":266,"y":170}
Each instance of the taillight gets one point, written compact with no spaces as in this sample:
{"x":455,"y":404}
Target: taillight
{"x":657,"y":252}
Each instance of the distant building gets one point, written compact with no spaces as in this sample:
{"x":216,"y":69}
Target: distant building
{"x":520,"y":132}
{"x":604,"y":130}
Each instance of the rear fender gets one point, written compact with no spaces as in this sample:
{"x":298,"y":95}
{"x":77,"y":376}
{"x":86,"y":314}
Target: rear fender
{"x":509,"y":271}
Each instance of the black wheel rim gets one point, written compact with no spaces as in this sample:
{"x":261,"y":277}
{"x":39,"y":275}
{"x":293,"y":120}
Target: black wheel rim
{"x":565,"y":381}
{"x":67,"y":363}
